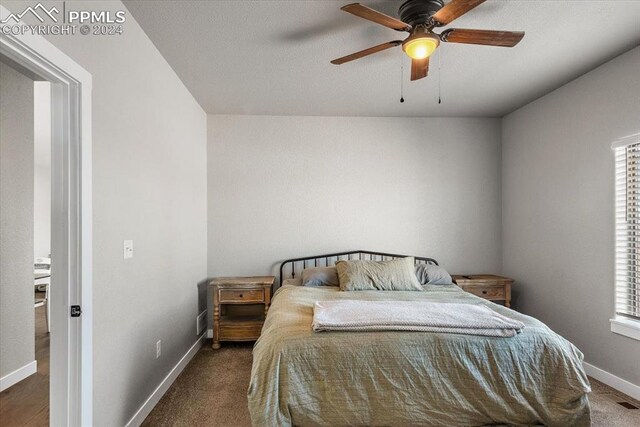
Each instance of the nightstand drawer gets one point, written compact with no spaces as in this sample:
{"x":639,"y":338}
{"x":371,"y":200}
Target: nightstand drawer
{"x":241,"y":296}
{"x":247,"y":332}
{"x":488,"y":292}
{"x":487,"y":286}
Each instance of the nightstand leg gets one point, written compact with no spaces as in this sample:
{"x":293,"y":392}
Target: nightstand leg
{"x":216,"y":327}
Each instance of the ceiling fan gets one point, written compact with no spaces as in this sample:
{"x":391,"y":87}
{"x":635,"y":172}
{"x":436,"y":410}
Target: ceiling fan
{"x":419,"y":18}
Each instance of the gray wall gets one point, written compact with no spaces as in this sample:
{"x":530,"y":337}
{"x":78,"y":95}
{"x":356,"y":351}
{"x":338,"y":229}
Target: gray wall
{"x":16,"y":221}
{"x":558,"y":213}
{"x":42,"y":170}
{"x":282,"y":187}
{"x":149,"y":185}
{"x":42,"y":211}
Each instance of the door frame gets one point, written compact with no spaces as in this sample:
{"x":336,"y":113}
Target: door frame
{"x":71,"y":358}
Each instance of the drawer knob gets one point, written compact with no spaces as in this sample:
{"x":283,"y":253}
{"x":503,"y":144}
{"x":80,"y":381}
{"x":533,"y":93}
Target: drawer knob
{"x":483,"y":292}
{"x":240,"y":295}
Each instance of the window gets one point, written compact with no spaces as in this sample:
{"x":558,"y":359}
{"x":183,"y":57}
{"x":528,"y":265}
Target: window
{"x":627,"y":218}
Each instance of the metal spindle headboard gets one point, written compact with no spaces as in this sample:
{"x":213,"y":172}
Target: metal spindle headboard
{"x":288,"y":267}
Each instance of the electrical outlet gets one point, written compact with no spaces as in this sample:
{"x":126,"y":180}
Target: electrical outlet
{"x":128,"y":249}
{"x":158,"y":348}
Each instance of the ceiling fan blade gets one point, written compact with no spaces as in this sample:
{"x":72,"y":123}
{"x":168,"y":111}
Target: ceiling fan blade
{"x":375,"y":16}
{"x":454,"y":10}
{"x":419,"y":68}
{"x":484,"y":37}
{"x":366,"y":52}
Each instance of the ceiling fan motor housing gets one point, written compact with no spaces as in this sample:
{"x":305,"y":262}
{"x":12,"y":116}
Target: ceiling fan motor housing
{"x":419,"y":12}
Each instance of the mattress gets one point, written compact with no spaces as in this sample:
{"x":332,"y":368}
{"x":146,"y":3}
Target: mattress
{"x":394,"y":378}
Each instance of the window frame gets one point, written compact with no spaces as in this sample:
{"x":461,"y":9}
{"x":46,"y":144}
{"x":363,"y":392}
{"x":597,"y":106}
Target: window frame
{"x":621,"y":324}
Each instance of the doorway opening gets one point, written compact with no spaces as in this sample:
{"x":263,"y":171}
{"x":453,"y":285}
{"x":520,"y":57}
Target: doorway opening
{"x":25,"y":237}
{"x":50,"y":277}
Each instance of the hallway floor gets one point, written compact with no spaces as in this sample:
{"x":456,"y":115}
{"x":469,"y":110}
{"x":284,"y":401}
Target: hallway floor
{"x":27,"y":403}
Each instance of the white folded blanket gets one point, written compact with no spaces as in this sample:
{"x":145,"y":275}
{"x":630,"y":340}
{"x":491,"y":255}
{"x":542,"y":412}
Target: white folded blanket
{"x":356,"y":315}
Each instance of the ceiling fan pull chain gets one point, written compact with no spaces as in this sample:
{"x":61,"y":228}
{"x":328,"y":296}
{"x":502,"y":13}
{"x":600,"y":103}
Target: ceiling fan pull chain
{"x":439,"y":74}
{"x":401,"y":80}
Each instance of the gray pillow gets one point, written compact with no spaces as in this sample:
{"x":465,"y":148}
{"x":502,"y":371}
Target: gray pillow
{"x":429,"y":274}
{"x":394,"y":275}
{"x":320,"y":276}
{"x":292,"y":282}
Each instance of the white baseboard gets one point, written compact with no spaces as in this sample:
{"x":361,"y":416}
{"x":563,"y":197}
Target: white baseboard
{"x":209,"y":333}
{"x":157,"y":394}
{"x":18,"y":375}
{"x":611,"y":380}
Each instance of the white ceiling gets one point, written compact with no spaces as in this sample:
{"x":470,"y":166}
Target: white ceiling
{"x":272,"y":57}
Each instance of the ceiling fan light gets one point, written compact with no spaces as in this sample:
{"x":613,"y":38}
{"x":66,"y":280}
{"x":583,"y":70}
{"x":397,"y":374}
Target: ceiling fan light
{"x":420,"y":47}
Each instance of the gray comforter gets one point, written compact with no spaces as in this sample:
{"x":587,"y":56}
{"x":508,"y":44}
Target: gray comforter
{"x":393,"y":378}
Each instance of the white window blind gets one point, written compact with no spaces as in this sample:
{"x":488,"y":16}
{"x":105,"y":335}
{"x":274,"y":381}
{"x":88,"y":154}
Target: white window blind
{"x":627,"y":210}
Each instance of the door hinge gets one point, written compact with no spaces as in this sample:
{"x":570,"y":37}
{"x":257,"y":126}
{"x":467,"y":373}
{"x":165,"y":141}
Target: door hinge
{"x":76,"y":311}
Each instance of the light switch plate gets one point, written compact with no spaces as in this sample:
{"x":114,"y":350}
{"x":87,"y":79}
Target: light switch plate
{"x":128,"y":249}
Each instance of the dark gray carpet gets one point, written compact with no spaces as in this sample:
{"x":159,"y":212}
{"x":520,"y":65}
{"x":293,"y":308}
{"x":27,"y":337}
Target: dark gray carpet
{"x":212,"y":391}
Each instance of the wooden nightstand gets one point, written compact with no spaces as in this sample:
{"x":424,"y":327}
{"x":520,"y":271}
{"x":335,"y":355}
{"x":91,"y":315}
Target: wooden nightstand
{"x":234,"y":291}
{"x":487,"y":286}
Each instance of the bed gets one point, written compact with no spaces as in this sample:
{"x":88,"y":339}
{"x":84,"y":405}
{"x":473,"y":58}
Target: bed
{"x":395,"y":378}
